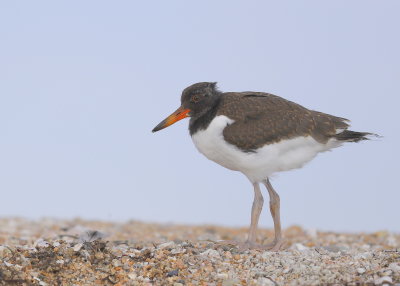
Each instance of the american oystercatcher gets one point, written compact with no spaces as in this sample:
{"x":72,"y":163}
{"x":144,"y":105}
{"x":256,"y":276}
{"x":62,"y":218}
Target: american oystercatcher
{"x":258,"y":134}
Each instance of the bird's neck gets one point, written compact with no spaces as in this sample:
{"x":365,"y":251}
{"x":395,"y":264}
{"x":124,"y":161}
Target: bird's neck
{"x":202,"y":120}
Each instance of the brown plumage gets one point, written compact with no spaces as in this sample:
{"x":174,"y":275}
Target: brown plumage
{"x":263,"y":118}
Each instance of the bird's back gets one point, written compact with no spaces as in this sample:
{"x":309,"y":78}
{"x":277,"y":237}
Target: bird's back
{"x":263,"y":118}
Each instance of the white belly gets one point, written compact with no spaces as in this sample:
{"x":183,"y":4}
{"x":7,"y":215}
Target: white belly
{"x":257,"y":166}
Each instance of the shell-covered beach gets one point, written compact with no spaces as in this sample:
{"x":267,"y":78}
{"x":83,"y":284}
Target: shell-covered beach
{"x":80,"y":252}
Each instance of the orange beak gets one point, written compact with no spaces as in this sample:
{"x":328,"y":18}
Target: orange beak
{"x":179,"y":114}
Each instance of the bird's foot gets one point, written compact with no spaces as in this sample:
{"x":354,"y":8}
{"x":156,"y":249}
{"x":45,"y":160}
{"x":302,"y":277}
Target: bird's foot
{"x":276,"y":245}
{"x":247,"y":245}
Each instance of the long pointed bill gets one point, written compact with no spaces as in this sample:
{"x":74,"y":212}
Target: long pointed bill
{"x":179,"y":114}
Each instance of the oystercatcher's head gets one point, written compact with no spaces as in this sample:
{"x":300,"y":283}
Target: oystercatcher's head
{"x":196,"y":100}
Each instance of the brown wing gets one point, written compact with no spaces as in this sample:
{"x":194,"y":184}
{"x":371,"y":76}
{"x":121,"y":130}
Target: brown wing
{"x":262,"y":118}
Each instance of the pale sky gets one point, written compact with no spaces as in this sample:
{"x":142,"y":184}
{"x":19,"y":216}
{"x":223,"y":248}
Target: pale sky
{"x":82,"y":83}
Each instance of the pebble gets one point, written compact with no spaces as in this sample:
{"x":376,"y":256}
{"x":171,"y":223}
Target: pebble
{"x":222,"y":275}
{"x":40,"y":243}
{"x":169,"y":244}
{"x":382,"y":280}
{"x":91,"y":235}
{"x":132,"y":255}
{"x":299,"y":247}
{"x":99,"y":255}
{"x":78,"y":246}
{"x":8,"y":264}
{"x":116,"y":263}
{"x":335,"y":248}
{"x":178,"y":250}
{"x":132,"y":276}
{"x":361,"y":270}
{"x":265,"y":281}
{"x":395,"y":267}
{"x":173,"y":273}
{"x":4,"y":250}
{"x":211,"y":253}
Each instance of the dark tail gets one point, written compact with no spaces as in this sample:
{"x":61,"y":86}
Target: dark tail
{"x":354,"y":136}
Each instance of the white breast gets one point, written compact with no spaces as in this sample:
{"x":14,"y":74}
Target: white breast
{"x":257,"y":166}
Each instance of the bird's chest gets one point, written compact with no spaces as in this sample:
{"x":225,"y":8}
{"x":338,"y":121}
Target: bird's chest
{"x":210,"y":142}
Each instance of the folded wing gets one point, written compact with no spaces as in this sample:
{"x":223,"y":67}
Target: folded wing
{"x":262,"y":118}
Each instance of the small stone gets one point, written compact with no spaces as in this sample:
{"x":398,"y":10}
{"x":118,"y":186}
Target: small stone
{"x":8,"y":264}
{"x":266,"y":255}
{"x":178,"y":250}
{"x":78,"y":246}
{"x":91,"y":235}
{"x":231,"y":282}
{"x":132,"y":276}
{"x":361,"y":270}
{"x":391,"y":241}
{"x":211,"y":253}
{"x":99,"y":255}
{"x":223,"y":276}
{"x":265,"y":281}
{"x":365,"y":247}
{"x":382,"y":280}
{"x":41,"y":243}
{"x":363,"y":255}
{"x":124,"y":259}
{"x":395,"y":267}
{"x":299,"y":247}
{"x":387,"y":273}
{"x":4,"y":251}
{"x":173,"y":273}
{"x":180,"y":263}
{"x":169,"y":244}
{"x":335,"y":248}
{"x":116,"y":263}
{"x":228,"y":255}
{"x":60,"y":261}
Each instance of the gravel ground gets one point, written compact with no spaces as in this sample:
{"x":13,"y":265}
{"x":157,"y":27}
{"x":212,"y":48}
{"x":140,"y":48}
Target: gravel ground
{"x":78,"y":252}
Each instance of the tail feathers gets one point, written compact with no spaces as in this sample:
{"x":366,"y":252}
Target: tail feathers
{"x":354,"y":136}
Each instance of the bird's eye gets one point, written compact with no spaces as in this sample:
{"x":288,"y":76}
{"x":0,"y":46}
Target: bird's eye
{"x":195,"y":98}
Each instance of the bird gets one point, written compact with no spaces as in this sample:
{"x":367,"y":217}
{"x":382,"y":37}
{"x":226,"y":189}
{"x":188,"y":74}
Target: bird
{"x":258,"y":134}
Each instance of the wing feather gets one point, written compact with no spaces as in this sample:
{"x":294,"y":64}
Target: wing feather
{"x":263,"y":118}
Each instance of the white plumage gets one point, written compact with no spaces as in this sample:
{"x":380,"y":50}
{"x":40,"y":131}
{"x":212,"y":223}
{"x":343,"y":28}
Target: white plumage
{"x":261,"y":164}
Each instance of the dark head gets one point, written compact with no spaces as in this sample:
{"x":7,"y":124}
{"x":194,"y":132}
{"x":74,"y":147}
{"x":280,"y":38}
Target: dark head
{"x":196,"y":100}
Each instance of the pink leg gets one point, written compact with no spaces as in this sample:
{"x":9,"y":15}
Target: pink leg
{"x":250,"y":243}
{"x":274,"y":206}
{"x":258,"y":203}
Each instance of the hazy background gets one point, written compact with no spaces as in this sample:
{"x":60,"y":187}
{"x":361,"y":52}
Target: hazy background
{"x":82,"y":83}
